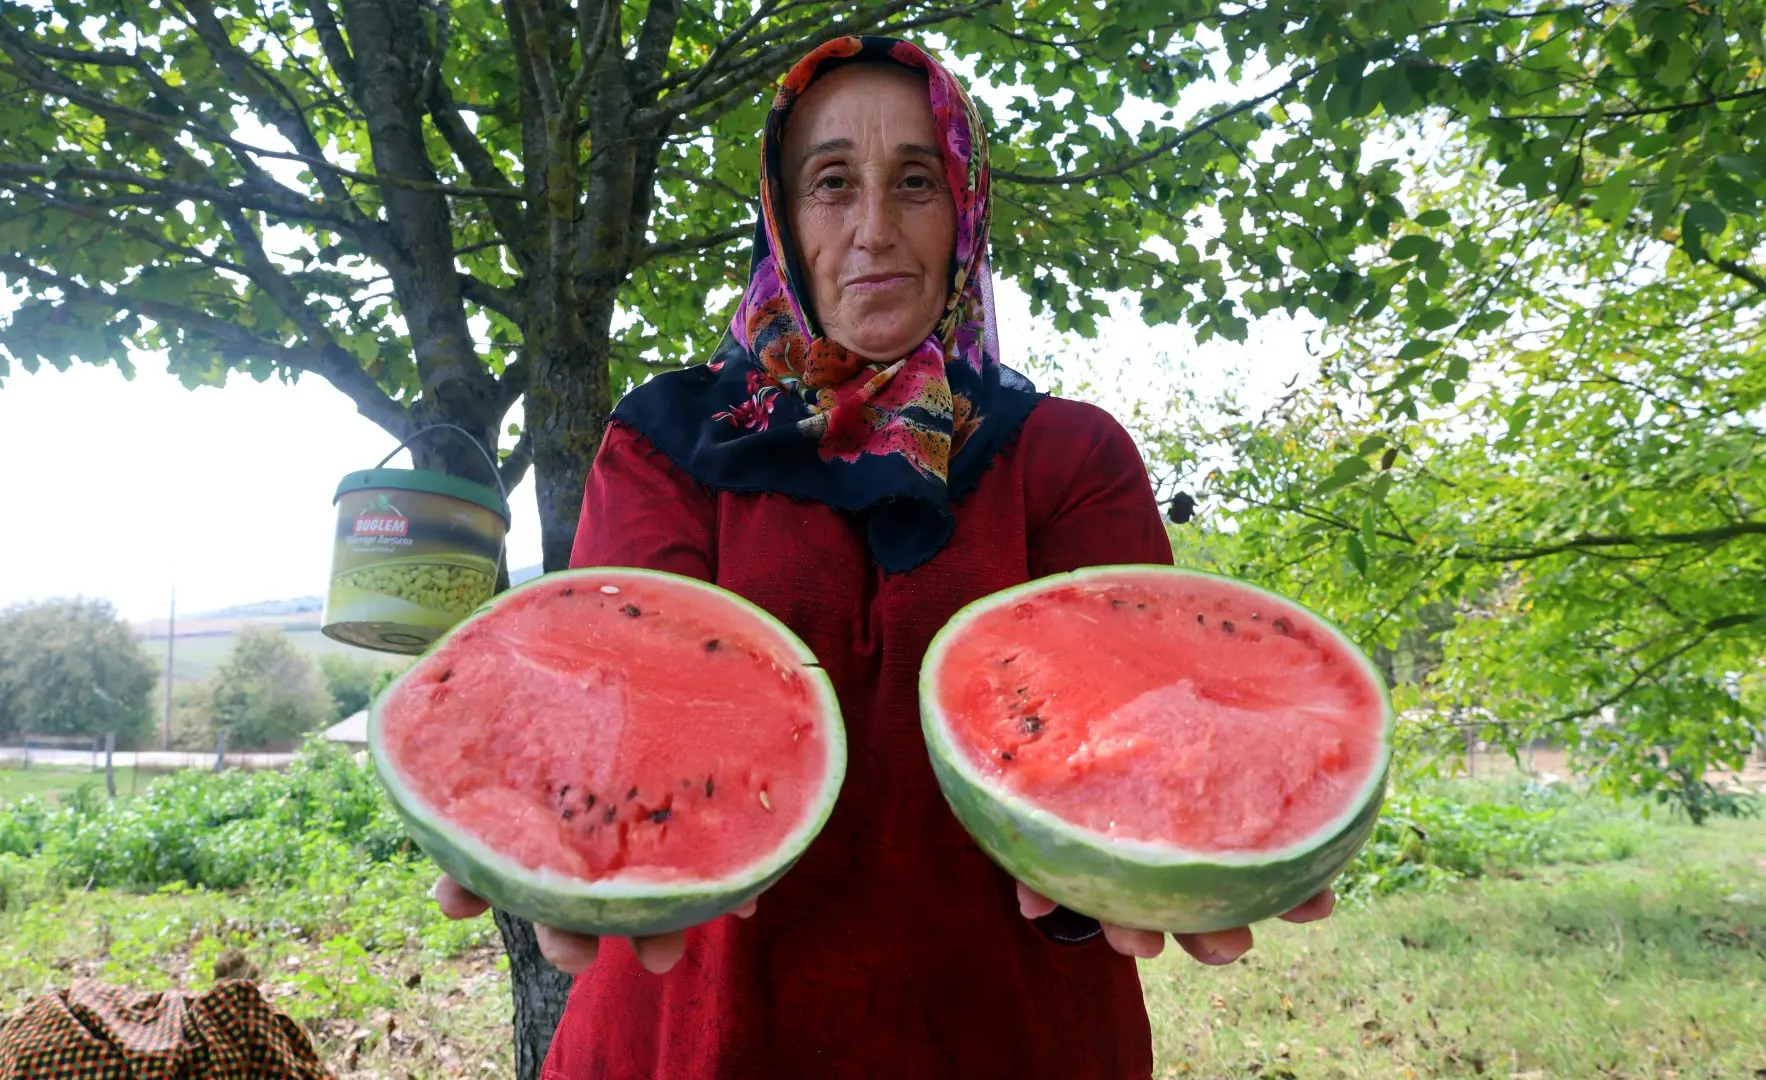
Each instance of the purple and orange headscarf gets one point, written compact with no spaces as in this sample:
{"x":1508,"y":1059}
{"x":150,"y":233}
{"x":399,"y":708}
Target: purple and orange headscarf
{"x":782,"y":408}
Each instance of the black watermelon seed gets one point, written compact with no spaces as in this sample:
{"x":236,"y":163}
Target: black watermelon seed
{"x":1008,"y":659}
{"x":1031,"y":724}
{"x":446,"y":675}
{"x":1005,"y":755}
{"x":632,"y":610}
{"x":568,"y":814}
{"x":589,"y":803}
{"x":1200,"y":621}
{"x":609,"y":815}
{"x":568,"y":592}
{"x":660,"y":816}
{"x":1281,"y":625}
{"x":708,"y":787}
{"x":1142,"y":605}
{"x":711,"y":646}
{"x":1117,"y":603}
{"x":632,"y":794}
{"x":685,"y":784}
{"x":564,"y":791}
{"x":1227,"y":625}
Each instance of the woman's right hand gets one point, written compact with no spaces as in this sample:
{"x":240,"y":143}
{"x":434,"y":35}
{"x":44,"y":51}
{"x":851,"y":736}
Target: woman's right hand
{"x":573,"y":953}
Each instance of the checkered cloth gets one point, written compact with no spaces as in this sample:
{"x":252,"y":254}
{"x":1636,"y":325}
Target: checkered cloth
{"x":92,"y":1031}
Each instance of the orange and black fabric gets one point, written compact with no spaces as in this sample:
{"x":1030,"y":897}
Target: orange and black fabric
{"x":92,"y":1031}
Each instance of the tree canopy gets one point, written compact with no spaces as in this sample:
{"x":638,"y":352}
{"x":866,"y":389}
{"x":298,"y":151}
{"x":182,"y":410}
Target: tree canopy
{"x":72,"y":667}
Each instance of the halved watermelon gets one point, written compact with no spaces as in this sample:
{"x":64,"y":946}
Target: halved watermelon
{"x":1158,"y":748}
{"x":613,"y":751}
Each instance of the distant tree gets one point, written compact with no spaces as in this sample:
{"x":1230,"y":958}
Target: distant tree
{"x":352,"y":681}
{"x":193,"y":716}
{"x":73,"y":667}
{"x":267,"y":692}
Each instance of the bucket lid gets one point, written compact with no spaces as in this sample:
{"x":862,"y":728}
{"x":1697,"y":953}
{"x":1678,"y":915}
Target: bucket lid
{"x":427,"y":481}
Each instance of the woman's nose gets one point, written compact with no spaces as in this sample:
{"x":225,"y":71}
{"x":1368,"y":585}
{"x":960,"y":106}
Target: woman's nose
{"x":878,"y":224}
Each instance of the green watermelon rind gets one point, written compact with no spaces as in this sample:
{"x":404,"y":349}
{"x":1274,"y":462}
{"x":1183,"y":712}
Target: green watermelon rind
{"x":621,"y":907}
{"x":1135,"y":883}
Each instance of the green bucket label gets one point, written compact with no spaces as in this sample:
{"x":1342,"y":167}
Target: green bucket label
{"x":408,"y":565}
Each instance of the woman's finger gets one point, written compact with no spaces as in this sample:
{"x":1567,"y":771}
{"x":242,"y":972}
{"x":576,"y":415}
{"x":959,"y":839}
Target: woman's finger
{"x":1218,"y":946}
{"x":569,"y":953}
{"x":1319,"y":907}
{"x":661,"y":952}
{"x":455,"y":902}
{"x":1144,"y":944}
{"x":1032,"y":904}
{"x":746,"y":911}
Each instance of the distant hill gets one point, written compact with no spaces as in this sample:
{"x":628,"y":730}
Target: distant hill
{"x":203,"y":640}
{"x":302,"y":605}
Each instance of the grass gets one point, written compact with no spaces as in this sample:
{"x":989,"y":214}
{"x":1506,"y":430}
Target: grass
{"x":1650,"y":967}
{"x":53,"y":782}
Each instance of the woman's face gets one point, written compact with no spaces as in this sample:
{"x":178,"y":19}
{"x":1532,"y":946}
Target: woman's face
{"x":869,"y":207}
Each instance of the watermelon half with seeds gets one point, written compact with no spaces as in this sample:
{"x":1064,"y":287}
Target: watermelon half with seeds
{"x":1157,"y":748}
{"x":613,"y":751}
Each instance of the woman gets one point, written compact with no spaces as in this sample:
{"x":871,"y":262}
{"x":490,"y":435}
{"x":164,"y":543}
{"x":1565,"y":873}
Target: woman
{"x":855,"y":459}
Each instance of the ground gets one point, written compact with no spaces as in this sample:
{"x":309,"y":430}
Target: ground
{"x":1653,"y":966}
{"x":1650,"y":966}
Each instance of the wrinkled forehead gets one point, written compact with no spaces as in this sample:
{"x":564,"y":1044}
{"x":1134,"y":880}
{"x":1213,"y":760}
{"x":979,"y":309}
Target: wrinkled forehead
{"x":859,"y":102}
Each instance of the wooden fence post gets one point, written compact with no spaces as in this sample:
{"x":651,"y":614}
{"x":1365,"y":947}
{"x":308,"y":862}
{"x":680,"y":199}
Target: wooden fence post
{"x":110,"y":776}
{"x":221,"y":750}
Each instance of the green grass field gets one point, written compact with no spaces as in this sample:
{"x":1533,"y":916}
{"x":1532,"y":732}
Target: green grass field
{"x":53,"y":783}
{"x":196,"y":656}
{"x":1654,"y":966}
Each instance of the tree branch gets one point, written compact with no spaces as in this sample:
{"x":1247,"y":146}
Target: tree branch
{"x":1746,"y":273}
{"x":481,"y":167}
{"x":1653,"y":110}
{"x":285,"y":206}
{"x":334,"y":365}
{"x":590,"y":44}
{"x":1165,"y":146}
{"x":483,"y":293}
{"x":337,"y":51}
{"x":1718,"y":535}
{"x":691,"y":244}
{"x":516,"y":463}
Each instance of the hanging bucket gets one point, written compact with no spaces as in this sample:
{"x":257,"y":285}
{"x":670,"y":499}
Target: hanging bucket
{"x":416,"y":551}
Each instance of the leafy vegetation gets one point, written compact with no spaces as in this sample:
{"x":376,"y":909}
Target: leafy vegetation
{"x":72,"y":667}
{"x":267,"y":692}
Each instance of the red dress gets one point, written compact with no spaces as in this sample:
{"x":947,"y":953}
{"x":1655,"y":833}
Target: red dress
{"x":894,"y":948}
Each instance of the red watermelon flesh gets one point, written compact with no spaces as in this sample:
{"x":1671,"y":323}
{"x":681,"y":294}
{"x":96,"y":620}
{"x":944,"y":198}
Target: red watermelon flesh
{"x":1180,"y":710}
{"x":642,"y":731}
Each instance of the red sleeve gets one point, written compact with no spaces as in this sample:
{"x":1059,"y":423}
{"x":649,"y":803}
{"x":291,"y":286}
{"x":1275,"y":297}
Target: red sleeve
{"x":1088,"y":500}
{"x":641,"y":511}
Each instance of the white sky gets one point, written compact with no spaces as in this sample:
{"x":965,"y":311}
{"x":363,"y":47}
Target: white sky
{"x":122,"y":489}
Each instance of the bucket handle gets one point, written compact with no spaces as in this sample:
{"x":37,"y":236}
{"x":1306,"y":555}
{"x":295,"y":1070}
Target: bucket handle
{"x":496,"y":474}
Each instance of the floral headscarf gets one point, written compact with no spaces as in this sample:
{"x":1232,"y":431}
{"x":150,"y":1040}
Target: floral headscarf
{"x":782,"y":408}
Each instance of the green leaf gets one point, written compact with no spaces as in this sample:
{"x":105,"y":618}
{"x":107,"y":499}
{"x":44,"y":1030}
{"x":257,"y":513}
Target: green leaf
{"x":1458,"y":367}
{"x":1367,"y":526}
{"x":1417,"y":348}
{"x":1433,"y":219}
{"x":1357,"y":553}
{"x":1370,"y":444}
{"x":1443,"y":390}
{"x":1415,"y":246}
{"x":1742,"y":167}
{"x":1436,"y":319}
{"x":1706,"y":218}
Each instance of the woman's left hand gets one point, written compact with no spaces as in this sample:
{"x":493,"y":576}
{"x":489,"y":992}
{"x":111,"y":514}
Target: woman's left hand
{"x":1216,"y":947}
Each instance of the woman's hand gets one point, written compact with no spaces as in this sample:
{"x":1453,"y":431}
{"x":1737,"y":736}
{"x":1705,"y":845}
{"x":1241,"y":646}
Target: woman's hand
{"x":573,"y":953}
{"x":1217,"y":947}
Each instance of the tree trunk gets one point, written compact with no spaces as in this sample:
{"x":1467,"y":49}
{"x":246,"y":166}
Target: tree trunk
{"x":540,"y":991}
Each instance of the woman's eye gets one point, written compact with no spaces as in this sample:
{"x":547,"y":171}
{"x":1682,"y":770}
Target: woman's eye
{"x":918,"y":183}
{"x":831,"y":183}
